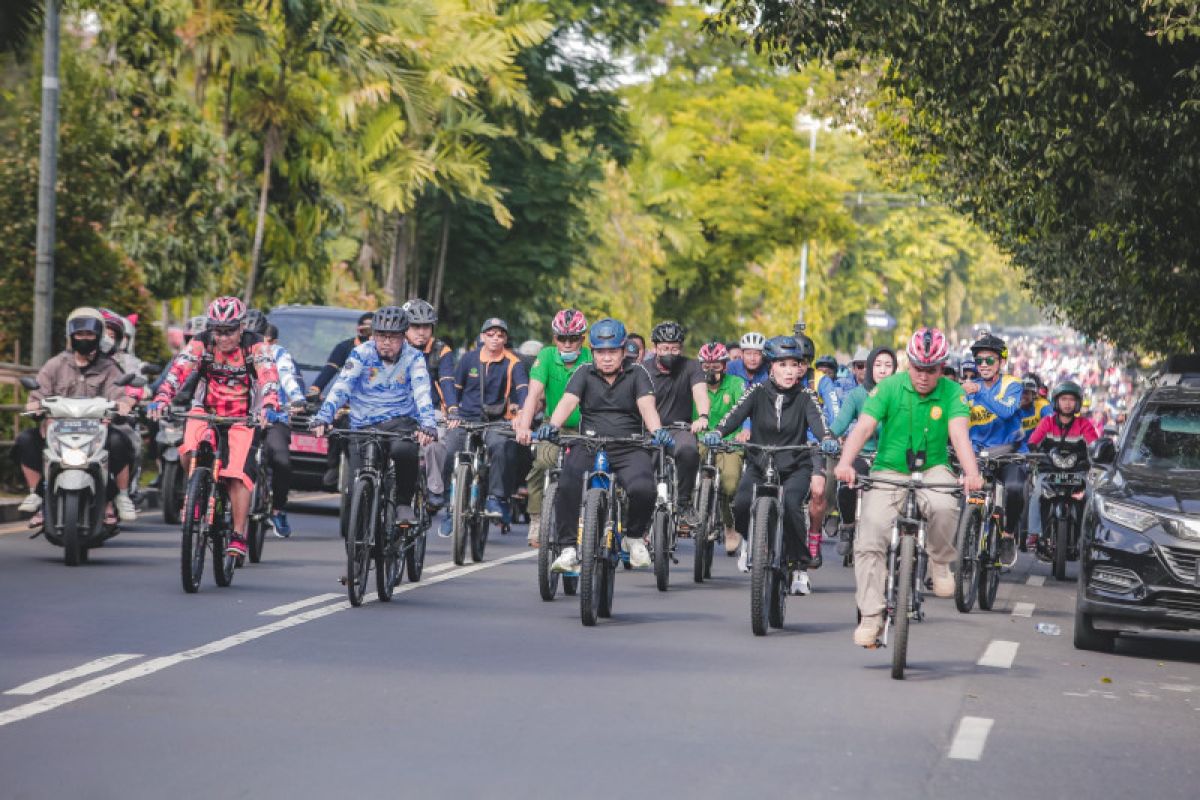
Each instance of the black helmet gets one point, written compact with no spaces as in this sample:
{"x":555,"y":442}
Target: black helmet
{"x":808,"y":350}
{"x":826,"y":361}
{"x":668,"y":332}
{"x":255,"y":321}
{"x":989,"y":342}
{"x":390,"y":319}
{"x":1066,"y":387}
{"x":1029,"y":385}
{"x":420,"y":312}
{"x":1037,"y":379}
{"x":779,"y":347}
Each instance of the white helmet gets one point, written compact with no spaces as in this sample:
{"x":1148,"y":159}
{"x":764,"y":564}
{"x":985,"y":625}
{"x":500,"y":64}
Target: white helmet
{"x":753,"y":341}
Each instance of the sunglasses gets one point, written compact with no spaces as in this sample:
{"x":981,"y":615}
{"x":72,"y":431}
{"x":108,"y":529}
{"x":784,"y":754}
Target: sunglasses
{"x":988,"y":360}
{"x":568,"y":338}
{"x":223,"y":331}
{"x":859,"y":365}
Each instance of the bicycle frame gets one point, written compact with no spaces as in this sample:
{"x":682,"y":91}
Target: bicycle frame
{"x":910,"y":522}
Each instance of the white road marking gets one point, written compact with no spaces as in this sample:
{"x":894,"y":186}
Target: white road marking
{"x":1036,"y":580}
{"x":283,"y":611}
{"x":97,"y":685}
{"x":90,"y":668}
{"x":1023,"y":610}
{"x":436,"y":568}
{"x":999,"y":654}
{"x":315,"y":497}
{"x":970,"y":739}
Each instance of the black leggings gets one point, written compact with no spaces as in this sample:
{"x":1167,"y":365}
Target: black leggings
{"x":278,"y":439}
{"x":634,"y":469}
{"x":405,"y":455}
{"x":795,"y":493}
{"x":30,"y":444}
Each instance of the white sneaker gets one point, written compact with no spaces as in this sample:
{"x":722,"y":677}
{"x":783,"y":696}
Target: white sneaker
{"x":800,"y":582}
{"x":126,"y":510}
{"x":744,"y":557}
{"x":567,"y":561}
{"x":31,"y":503}
{"x":639,"y":556}
{"x":535,"y":525}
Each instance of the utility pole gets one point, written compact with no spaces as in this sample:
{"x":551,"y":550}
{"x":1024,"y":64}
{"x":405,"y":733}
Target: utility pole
{"x":814,"y":123}
{"x":43,"y":282}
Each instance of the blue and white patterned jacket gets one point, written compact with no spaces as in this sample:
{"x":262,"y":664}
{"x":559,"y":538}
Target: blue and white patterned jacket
{"x":378,"y":392}
{"x":290,"y":388}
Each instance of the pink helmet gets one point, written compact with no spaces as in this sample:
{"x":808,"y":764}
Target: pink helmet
{"x":713,"y":351}
{"x":928,"y":348}
{"x":569,"y":322}
{"x":226,"y":311}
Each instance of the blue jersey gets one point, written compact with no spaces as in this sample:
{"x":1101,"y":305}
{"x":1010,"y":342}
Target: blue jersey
{"x":826,"y":393}
{"x":291,"y":390}
{"x":737,"y":368}
{"x":996,"y":413}
{"x":378,"y":392}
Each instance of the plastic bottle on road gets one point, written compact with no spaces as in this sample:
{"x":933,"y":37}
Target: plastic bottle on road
{"x":1049,"y":629}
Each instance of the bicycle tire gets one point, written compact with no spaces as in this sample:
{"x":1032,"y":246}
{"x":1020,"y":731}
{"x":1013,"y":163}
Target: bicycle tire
{"x":608,"y":580}
{"x":172,"y":481}
{"x":591,"y":576}
{"x":414,"y":557}
{"x":1058,"y":536}
{"x":989,"y":572}
{"x":966,"y":577}
{"x":358,"y":540}
{"x":389,"y":562}
{"x":223,"y":563}
{"x":460,"y":512}
{"x":195,"y":534}
{"x":904,"y":594}
{"x":547,"y":550}
{"x":345,"y":485}
{"x":479,"y":537}
{"x":660,"y":541}
{"x":256,"y":526}
{"x":702,"y":554}
{"x":776,"y":580}
{"x":760,"y":566}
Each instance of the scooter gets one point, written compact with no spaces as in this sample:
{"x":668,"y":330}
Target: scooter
{"x":172,"y":478}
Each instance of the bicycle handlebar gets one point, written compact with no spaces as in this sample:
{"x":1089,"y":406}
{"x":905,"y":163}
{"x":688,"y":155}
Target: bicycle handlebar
{"x":866,"y":480}
{"x":779,"y":448}
{"x":214,"y":418}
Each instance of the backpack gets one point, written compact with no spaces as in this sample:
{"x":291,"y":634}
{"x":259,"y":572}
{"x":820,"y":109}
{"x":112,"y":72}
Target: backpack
{"x":247,"y":343}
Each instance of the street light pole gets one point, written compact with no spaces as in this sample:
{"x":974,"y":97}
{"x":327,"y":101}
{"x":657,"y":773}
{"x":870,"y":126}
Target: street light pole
{"x":812,"y":156}
{"x":43,"y":282}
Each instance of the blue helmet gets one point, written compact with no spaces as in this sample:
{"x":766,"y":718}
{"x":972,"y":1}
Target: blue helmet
{"x":608,"y":333}
{"x":780,"y":347}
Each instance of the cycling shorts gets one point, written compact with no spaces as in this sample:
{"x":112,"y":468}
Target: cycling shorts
{"x":237,"y":461}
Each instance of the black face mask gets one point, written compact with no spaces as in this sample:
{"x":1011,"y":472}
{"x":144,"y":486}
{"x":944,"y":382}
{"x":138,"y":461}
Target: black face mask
{"x":668,"y":362}
{"x":85,"y":347}
{"x":713,"y":377}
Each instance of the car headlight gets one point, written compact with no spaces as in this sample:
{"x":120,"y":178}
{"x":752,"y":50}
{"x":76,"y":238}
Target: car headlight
{"x":1063,"y":460}
{"x":74,"y":457}
{"x":1126,"y":516}
{"x":1183,"y":527}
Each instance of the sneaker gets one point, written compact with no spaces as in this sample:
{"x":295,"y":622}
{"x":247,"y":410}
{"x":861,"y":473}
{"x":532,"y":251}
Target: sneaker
{"x":535,"y":525}
{"x":434,"y":501}
{"x":330,"y":479}
{"x":237,"y":547}
{"x":814,"y":549}
{"x":126,"y":510}
{"x":733,"y":540}
{"x":690,"y":517}
{"x":943,"y":581}
{"x":1031,"y":542}
{"x":494,"y":508}
{"x":31,"y":503}
{"x":639,"y":556}
{"x":845,"y":539}
{"x":744,"y":558}
{"x":446,"y":529}
{"x":1008,"y":550}
{"x":279,"y":522}
{"x":110,"y":515}
{"x":868,"y":631}
{"x":567,"y":561}
{"x":37,"y":520}
{"x":800,"y":583}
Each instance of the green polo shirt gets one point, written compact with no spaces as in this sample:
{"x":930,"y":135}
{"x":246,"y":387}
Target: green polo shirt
{"x":911,"y":421}
{"x":720,"y":400}
{"x":552,"y":372}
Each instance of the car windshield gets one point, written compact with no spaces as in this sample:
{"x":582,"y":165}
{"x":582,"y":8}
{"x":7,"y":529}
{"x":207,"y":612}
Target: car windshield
{"x":309,"y":335}
{"x":1165,"y":437}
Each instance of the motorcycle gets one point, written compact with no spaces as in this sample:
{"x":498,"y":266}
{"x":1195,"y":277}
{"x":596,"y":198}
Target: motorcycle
{"x":1064,"y":468}
{"x":172,"y":479}
{"x":76,"y":470}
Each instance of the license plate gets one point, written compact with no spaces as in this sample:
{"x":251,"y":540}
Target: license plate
{"x":307,"y":443}
{"x":1066,"y":478}
{"x":77,"y":425}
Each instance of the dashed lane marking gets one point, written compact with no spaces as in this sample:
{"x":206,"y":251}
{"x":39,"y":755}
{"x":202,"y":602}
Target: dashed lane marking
{"x":1036,"y":580}
{"x":90,"y":668}
{"x":1023,"y":610}
{"x":284,"y":610}
{"x":999,"y":654}
{"x":971,"y":738}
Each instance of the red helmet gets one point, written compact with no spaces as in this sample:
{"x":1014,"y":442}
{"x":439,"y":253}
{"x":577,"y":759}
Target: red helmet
{"x":226,"y":311}
{"x":928,"y":348}
{"x":713,"y":351}
{"x":569,"y":322}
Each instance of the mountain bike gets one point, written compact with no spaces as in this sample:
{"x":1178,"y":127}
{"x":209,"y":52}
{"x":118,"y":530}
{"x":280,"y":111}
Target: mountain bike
{"x":469,"y":490}
{"x":977,"y":538}
{"x":548,"y":547}
{"x":664,"y":521}
{"x":708,"y":508}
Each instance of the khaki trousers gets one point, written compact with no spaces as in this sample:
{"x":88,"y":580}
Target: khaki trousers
{"x":545,"y":456}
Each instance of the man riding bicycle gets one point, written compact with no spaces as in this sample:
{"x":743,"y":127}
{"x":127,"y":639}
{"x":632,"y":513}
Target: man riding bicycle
{"x":750,"y":367}
{"x":333,"y":364}
{"x":917,"y":412}
{"x":387,"y":387}
{"x":615,"y":398}
{"x":723,"y":392}
{"x":439,"y":361}
{"x":233,"y":365}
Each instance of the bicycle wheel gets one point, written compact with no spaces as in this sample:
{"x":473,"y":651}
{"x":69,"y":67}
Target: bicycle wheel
{"x":414,"y":557}
{"x":608,"y":582}
{"x":479,"y":537}
{"x":760,"y":565}
{"x":592,"y":580}
{"x":776,"y":579}
{"x":173,"y":483}
{"x":989,"y":569}
{"x":195,"y":530}
{"x":345,"y":484}
{"x":660,"y":542}
{"x":223,"y":563}
{"x":260,"y":509}
{"x":547,"y":549}
{"x":966,"y":539}
{"x":460,"y":512}
{"x":389,"y":563}
{"x":358,"y":539}
{"x":904,"y":596}
{"x":1058,"y":539}
{"x":702,"y":554}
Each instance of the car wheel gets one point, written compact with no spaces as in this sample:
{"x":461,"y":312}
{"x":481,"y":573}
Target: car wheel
{"x":1086,"y":635}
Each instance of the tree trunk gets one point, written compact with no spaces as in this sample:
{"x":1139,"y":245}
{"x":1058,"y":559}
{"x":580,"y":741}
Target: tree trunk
{"x":414,"y":272}
{"x":227,"y":113}
{"x":260,"y":224}
{"x":439,"y":274}
{"x":398,"y":263}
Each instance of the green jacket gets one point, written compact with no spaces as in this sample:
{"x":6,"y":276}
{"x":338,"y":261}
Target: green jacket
{"x":721,"y":400}
{"x":852,"y":406}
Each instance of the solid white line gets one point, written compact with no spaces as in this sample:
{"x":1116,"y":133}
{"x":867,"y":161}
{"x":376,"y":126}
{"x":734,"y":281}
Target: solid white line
{"x":97,"y":685}
{"x":283,"y":611}
{"x":314,"y":497}
{"x":971,"y":737}
{"x":92,"y":667}
{"x":1036,"y":580}
{"x":436,"y":568}
{"x":1023,"y":610}
{"x":999,"y":654}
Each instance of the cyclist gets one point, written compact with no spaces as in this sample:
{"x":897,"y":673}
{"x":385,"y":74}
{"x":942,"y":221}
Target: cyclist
{"x":968,"y":370}
{"x":1064,"y":424}
{"x":79,"y":371}
{"x":333,"y":364}
{"x":548,"y":379}
{"x":678,"y":384}
{"x":1034,"y":408}
{"x":858,"y":373}
{"x":439,"y":361}
{"x":723,"y":392}
{"x":829,"y":366}
{"x":387,"y":387}
{"x":233,"y":364}
{"x":782,"y":414}
{"x":824,"y":391}
{"x":488,"y":380}
{"x":614,"y":398}
{"x":920,"y":412}
{"x":951,"y":368}
{"x":635,"y":347}
{"x":995,"y":403}
{"x":750,"y":367}
{"x":880,"y":363}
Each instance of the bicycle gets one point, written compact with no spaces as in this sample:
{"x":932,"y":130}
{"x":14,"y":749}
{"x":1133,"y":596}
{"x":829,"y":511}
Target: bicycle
{"x":260,"y":506}
{"x":977,"y":538}
{"x":868,"y":458}
{"x":207,"y":513}
{"x":664,"y":522}
{"x":708,"y":507}
{"x":768,"y":572}
{"x":907,"y":564}
{"x":469,"y":489}
{"x":548,"y":547}
{"x":373,"y":531}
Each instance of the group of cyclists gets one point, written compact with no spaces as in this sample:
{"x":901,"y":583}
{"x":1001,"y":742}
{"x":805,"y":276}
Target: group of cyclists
{"x":881,"y":419}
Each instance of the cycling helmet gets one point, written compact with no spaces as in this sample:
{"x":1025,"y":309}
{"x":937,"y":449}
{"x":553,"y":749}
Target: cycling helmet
{"x":668,"y":332}
{"x":569,"y":322}
{"x":989,"y":342}
{"x":808,"y":350}
{"x":1029,"y":385}
{"x":85,"y":318}
{"x":952,"y":366}
{"x":530,"y":348}
{"x":226,"y":311}
{"x":607,"y":334}
{"x":390,"y":319}
{"x":1066,"y":387}
{"x":968,"y":365}
{"x":928,"y":348}
{"x":753,"y":341}
{"x":826,"y":361}
{"x":1037,"y":380}
{"x":713,"y":351}
{"x":256,"y":321}
{"x":780,"y":347}
{"x":130,"y":325}
{"x":420,"y":312}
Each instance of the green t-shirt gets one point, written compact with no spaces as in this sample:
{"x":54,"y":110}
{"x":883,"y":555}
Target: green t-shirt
{"x":550,"y":371}
{"x":720,"y":400}
{"x":911,"y":421}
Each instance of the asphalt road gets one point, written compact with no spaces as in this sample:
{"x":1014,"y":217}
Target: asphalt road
{"x":116,"y":684}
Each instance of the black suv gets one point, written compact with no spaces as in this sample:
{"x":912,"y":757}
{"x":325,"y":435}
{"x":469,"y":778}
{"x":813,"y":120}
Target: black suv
{"x":1140,"y":559}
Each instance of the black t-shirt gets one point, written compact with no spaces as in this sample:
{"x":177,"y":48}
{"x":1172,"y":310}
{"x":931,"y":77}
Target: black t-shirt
{"x":610,"y":409}
{"x":673,"y":390}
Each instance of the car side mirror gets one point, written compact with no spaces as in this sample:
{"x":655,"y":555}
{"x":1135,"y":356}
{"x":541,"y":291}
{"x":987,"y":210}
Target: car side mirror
{"x":29,"y":382}
{"x":1103,"y":452}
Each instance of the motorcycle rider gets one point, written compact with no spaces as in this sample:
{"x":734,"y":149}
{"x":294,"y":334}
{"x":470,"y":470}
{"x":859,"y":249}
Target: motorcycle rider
{"x":1062,"y":425}
{"x":80,"y":371}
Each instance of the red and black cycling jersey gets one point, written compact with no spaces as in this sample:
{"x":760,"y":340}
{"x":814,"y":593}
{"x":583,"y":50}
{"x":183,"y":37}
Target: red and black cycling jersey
{"x":228,"y":380}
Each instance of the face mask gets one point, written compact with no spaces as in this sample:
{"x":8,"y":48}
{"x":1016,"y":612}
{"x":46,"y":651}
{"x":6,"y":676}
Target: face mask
{"x":668,"y":361}
{"x":713,"y":377}
{"x":107,"y":343}
{"x":571,"y":357}
{"x":85,"y":346}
